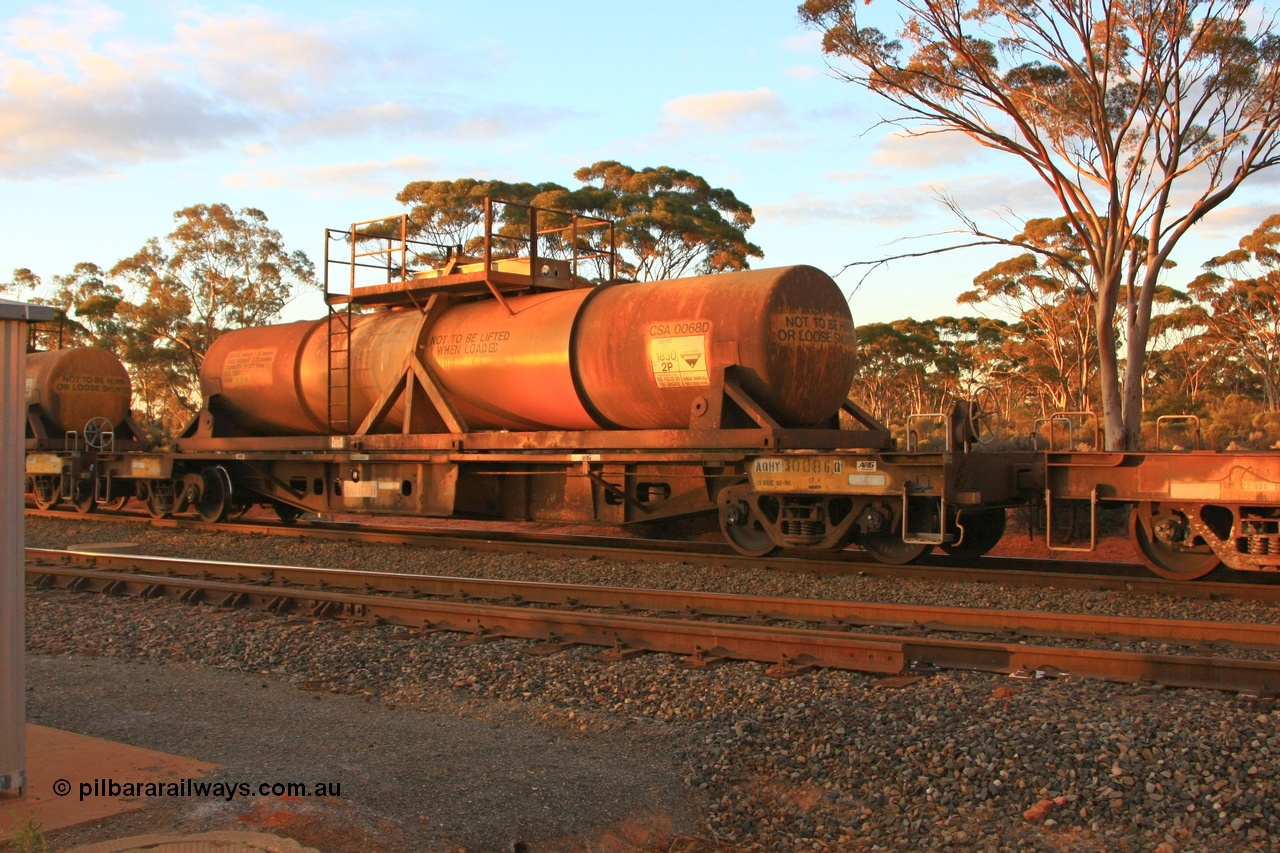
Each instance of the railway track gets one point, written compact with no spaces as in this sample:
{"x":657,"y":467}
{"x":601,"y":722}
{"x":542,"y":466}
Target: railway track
{"x":1003,"y":571}
{"x":792,"y":635}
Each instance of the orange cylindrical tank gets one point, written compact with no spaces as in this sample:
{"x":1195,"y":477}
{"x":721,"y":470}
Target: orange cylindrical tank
{"x":634,"y":356}
{"x":646,"y":351}
{"x":273,"y":380}
{"x":512,"y":370}
{"x":71,"y":387}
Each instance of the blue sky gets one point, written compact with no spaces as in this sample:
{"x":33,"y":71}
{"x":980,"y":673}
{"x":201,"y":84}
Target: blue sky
{"x":113,"y":115}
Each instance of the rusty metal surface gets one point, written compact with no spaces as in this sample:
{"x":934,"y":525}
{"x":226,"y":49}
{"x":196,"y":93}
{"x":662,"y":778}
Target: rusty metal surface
{"x":466,"y":284}
{"x":646,"y":352}
{"x":1130,"y":579}
{"x":70,"y":387}
{"x":1191,"y":477}
{"x":274,"y":380}
{"x":510,"y":370}
{"x":651,"y":440}
{"x":638,"y":476}
{"x":513,"y":259}
{"x":1007,"y":477}
{"x":1190,"y":505}
{"x":635,"y":356}
{"x":847,"y":614}
{"x":794,"y":648}
{"x":739,"y":642}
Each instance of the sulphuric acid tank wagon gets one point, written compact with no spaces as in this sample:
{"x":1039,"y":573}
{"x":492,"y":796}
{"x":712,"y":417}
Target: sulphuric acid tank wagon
{"x":507,"y":387}
{"x":622,"y":356}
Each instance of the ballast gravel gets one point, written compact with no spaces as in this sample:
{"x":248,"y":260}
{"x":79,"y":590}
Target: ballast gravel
{"x":719,"y":759}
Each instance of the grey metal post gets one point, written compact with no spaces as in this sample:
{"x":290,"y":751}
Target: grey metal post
{"x":13,"y":410}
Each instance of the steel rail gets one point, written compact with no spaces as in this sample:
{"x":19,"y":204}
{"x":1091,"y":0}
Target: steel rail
{"x":843,"y":614}
{"x":1004,"y":571}
{"x":791,"y":650}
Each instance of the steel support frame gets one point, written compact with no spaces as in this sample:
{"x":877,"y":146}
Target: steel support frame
{"x":1245,"y":485}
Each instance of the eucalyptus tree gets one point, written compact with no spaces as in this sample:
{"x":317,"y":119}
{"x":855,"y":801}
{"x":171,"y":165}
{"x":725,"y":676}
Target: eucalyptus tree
{"x":1053,"y":301}
{"x":219,"y":269}
{"x":669,"y":222}
{"x":1239,"y":296}
{"x":1140,"y":116}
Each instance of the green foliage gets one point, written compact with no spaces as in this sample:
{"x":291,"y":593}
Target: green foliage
{"x":1215,"y":347}
{"x":912,"y":366}
{"x":217,"y":270}
{"x":451,"y":213}
{"x":1240,"y":295}
{"x":1236,"y":422}
{"x":28,"y":838}
{"x":1048,"y":289}
{"x":23,"y":280}
{"x":669,"y":222}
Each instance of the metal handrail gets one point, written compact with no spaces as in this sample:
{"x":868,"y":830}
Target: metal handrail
{"x":1195,"y":419}
{"x":578,"y":223}
{"x":1070,"y":419}
{"x":944,"y":417}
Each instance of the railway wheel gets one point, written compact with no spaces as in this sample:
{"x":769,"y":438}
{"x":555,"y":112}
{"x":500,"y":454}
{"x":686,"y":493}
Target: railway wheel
{"x":881,"y":534}
{"x":983,"y":530}
{"x":46,"y":492}
{"x":1167,"y":546}
{"x":82,"y":496}
{"x":216,"y":497}
{"x":159,"y":498}
{"x":287,"y":513}
{"x":744,"y":530}
{"x":117,"y":494}
{"x":238,"y":508}
{"x":889,"y":548}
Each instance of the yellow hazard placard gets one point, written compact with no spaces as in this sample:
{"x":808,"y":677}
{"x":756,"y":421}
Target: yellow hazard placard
{"x":679,"y":361}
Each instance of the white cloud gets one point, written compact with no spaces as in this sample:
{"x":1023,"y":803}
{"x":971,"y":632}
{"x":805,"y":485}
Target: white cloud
{"x":997,"y":200}
{"x":69,"y":27}
{"x":806,"y":42}
{"x":914,"y":210}
{"x":77,"y":98}
{"x":865,"y":207}
{"x":384,"y":117}
{"x":258,"y":149}
{"x":924,"y":150}
{"x":503,"y":120}
{"x":848,"y":177}
{"x":369,"y":178}
{"x":774,"y":143}
{"x":397,"y":119}
{"x":105,"y":117}
{"x":1232,"y":223}
{"x":723,"y":112}
{"x":260,"y":61}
